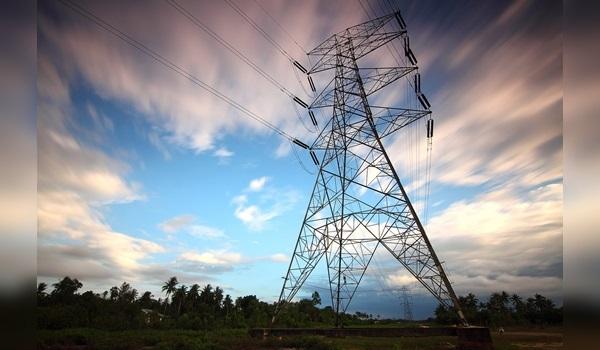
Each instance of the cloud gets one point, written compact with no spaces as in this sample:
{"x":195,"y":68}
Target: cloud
{"x":187,"y":115}
{"x":271,"y":203}
{"x":187,"y":223}
{"x":75,"y":183}
{"x":503,"y":240}
{"x":206,"y":231}
{"x":253,"y":216}
{"x":216,"y":257}
{"x":176,"y":223}
{"x":400,"y":279}
{"x":258,"y":184}
{"x":219,"y":261}
{"x":223,"y":152}
{"x":209,"y":261}
{"x":498,"y":103}
{"x":279,"y":258}
{"x":157,"y":141}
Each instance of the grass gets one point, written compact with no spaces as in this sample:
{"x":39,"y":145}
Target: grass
{"x":170,"y":340}
{"x":239,"y":339}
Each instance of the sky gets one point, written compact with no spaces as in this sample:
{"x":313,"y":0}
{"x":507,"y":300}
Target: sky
{"x":142,"y":175}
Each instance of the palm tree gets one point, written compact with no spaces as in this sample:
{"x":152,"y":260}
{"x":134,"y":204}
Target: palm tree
{"x":41,"y":289}
{"x":180,"y":293}
{"x":169,"y":288}
{"x":192,"y":296}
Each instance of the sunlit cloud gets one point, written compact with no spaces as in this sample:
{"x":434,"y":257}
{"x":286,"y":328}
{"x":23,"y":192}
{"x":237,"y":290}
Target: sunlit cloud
{"x":258,"y":184}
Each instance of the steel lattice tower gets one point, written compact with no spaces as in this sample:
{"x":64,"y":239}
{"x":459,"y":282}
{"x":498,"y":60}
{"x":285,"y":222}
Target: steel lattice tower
{"x":358,"y":203}
{"x":406,"y":304}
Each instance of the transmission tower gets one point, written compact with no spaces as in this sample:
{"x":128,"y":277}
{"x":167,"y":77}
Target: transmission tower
{"x":406,"y":304}
{"x":358,"y":203}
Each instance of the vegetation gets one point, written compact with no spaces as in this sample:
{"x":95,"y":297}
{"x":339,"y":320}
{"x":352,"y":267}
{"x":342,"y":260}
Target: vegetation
{"x":195,"y":307}
{"x":503,"y":309}
{"x":204,"y":317}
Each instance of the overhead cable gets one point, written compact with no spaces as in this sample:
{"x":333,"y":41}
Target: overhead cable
{"x":172,"y":66}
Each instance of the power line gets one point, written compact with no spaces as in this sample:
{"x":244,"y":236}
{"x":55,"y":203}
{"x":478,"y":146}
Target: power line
{"x":262,"y":32}
{"x":167,"y":63}
{"x":228,"y":46}
{"x":197,"y":22}
{"x":276,"y":45}
{"x":280,"y":26}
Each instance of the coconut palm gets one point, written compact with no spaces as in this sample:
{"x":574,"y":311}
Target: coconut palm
{"x":193,"y":295}
{"x":180,"y":294}
{"x":169,"y":288}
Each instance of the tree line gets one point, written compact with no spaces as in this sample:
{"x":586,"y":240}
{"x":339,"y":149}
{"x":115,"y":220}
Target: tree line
{"x":207,"y":307}
{"x":502,"y":309}
{"x":185,"y":307}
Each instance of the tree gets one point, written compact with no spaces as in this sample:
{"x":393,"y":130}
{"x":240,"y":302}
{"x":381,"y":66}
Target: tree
{"x":217,"y":298}
{"x":541,"y":310}
{"x":498,"y":309}
{"x":114,"y":293}
{"x":180,"y":295}
{"x":518,"y":307}
{"x":316,"y":298}
{"x":169,"y":288}
{"x":206,"y":296}
{"x":469,"y":305}
{"x":228,"y":307}
{"x":126,"y":293}
{"x":41,"y":290}
{"x":445,"y":315}
{"x":65,"y":289}
{"x":41,"y":293}
{"x":146,"y":301}
{"x":193,"y":296}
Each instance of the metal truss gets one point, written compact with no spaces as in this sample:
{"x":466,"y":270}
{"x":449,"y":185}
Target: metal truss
{"x":358,"y":203}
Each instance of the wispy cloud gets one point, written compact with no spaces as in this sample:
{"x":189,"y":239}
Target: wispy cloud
{"x":223,"y":152}
{"x":252,"y":215}
{"x":270,"y":203}
{"x":187,"y":115}
{"x":187,"y":223}
{"x":217,"y":257}
{"x":203,"y":231}
{"x":279,"y":258}
{"x":176,"y":223}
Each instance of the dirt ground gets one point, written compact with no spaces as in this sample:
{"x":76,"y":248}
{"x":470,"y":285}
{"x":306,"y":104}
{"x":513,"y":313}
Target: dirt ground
{"x":529,"y":339}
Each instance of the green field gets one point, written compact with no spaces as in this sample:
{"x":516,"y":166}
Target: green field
{"x":82,"y":338}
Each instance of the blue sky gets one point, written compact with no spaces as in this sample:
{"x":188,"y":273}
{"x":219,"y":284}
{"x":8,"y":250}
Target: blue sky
{"x":143,"y":175}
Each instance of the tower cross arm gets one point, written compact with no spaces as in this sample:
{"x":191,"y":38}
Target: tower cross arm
{"x":388,"y":120}
{"x":366,"y":37}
